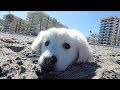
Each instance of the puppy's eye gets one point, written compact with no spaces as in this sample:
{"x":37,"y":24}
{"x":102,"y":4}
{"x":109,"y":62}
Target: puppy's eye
{"x":47,"y":43}
{"x":66,"y":46}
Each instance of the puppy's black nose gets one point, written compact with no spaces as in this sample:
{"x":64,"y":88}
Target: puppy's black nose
{"x":48,"y":63}
{"x":50,"y":60}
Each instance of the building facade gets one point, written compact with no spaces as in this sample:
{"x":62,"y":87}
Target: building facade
{"x":109,"y":31}
{"x":16,"y":26}
{"x":39,"y":21}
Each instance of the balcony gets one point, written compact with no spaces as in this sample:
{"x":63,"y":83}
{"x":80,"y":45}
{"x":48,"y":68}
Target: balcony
{"x":109,"y":25}
{"x":103,"y":23}
{"x":102,"y":28}
{"x":116,"y":30}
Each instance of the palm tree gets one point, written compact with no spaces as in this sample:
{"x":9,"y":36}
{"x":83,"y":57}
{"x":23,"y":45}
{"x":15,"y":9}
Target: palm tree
{"x":9,"y":17}
{"x":54,"y":23}
{"x":27,"y":26}
{"x":40,"y":18}
{"x":31,"y":22}
{"x":24,"y":27}
{"x":16,"y":28}
{"x":47,"y":22}
{"x":20,"y":22}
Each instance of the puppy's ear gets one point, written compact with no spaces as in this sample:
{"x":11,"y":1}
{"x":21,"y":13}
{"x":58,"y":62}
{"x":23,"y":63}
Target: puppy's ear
{"x":84,"y":50}
{"x":37,"y":43}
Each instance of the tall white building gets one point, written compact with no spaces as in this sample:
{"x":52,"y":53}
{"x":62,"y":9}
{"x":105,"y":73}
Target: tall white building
{"x":109,"y":31}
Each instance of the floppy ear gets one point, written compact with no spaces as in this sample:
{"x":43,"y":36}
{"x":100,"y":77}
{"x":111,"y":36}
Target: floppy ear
{"x":37,"y":43}
{"x":84,"y":50}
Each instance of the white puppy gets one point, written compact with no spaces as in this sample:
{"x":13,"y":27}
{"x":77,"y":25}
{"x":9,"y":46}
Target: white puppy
{"x":60,"y":47}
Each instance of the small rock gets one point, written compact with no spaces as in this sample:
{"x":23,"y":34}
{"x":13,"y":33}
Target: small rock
{"x":24,"y":77}
{"x":19,"y":62}
{"x":96,"y":56}
{"x":11,"y":70}
{"x":38,"y":73}
{"x":34,"y":68}
{"x":29,"y":42}
{"x":35,"y":61}
{"x":118,"y":62}
{"x":27,"y":54}
{"x":18,"y":58}
{"x":118,"y":55}
{"x":0,"y":70}
{"x":112,"y":55}
{"x":7,"y":54}
{"x":13,"y":39}
{"x":22,"y":70}
{"x":4,"y":73}
{"x":5,"y":64}
{"x":9,"y":61}
{"x":9,"y":77}
{"x":17,"y":67}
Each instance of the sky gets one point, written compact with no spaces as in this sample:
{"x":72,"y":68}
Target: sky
{"x":84,"y":21}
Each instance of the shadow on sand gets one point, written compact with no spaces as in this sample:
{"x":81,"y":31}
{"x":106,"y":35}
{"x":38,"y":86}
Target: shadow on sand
{"x":75,"y":71}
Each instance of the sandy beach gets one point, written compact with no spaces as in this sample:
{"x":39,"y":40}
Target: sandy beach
{"x":18,"y":62}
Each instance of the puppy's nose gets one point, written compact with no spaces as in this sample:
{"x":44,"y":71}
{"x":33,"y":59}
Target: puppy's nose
{"x":50,"y":60}
{"x":48,"y":63}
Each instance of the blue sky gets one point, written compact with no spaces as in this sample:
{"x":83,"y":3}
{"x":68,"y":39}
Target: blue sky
{"x":84,"y":21}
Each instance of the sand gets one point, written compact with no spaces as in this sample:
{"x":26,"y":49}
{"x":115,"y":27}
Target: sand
{"x":18,"y":62}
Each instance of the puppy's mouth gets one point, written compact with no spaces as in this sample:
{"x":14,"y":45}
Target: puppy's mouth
{"x":48,"y":64}
{"x":47,"y":68}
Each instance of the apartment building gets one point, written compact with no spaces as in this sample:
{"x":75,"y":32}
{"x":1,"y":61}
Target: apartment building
{"x":109,"y":31}
{"x":39,"y":20}
{"x":16,"y":26}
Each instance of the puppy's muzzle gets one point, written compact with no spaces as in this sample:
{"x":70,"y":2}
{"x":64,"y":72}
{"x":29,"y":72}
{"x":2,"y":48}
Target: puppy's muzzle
{"x":48,"y":64}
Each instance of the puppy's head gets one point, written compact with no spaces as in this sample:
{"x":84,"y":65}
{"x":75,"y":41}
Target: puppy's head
{"x":59,"y":48}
